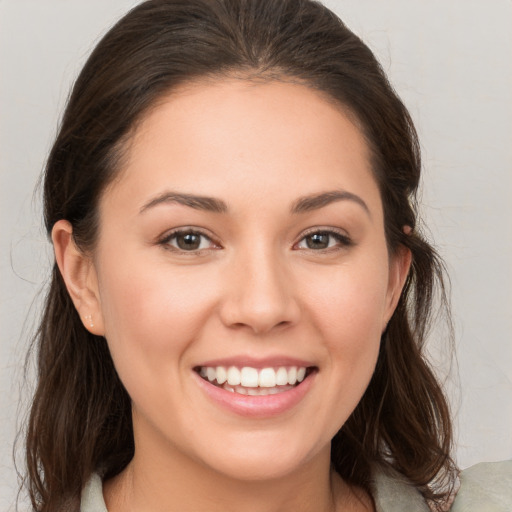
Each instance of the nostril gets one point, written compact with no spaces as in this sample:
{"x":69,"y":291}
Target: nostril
{"x":261,"y":305}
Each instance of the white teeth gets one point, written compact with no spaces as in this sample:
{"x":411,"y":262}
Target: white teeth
{"x":222,"y":374}
{"x":292,"y":375}
{"x":281,"y":377}
{"x":211,"y":374}
{"x":263,"y":391}
{"x":233,"y":376}
{"x":250,"y":378}
{"x":267,"y":378}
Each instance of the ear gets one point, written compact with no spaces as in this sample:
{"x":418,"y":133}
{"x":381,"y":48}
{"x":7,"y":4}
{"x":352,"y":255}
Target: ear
{"x":79,"y":274}
{"x":399,"y":265}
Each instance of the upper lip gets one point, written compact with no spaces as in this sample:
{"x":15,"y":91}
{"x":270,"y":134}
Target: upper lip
{"x":254,"y":362}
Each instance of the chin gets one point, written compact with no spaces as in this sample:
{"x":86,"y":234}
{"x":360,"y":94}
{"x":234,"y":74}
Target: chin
{"x":259,"y":470}
{"x":262,"y":461}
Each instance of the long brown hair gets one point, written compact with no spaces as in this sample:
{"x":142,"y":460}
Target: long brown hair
{"x":80,"y":420}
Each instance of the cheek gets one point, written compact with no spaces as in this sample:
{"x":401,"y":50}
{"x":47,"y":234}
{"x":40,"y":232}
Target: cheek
{"x":350,"y":315}
{"x":353,"y":299}
{"x":151,"y":316}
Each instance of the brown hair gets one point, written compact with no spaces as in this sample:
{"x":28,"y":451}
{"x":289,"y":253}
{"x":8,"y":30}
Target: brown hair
{"x":80,"y":420}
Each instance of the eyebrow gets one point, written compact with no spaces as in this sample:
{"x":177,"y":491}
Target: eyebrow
{"x":317,"y":201}
{"x":209,"y":204}
{"x":212,"y":204}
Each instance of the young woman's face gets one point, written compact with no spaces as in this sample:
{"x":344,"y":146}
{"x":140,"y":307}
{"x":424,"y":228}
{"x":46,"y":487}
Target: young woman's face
{"x":244,"y":240}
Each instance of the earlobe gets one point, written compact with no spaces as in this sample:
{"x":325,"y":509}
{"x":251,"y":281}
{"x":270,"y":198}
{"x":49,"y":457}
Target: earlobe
{"x":398,"y":272}
{"x":79,"y":275}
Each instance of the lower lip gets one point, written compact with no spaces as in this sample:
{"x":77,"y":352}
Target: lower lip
{"x":256,"y":406}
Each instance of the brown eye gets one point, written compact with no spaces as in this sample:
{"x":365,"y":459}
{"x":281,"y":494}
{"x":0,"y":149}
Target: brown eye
{"x":188,"y":241}
{"x":318,"y":241}
{"x":321,"y":240}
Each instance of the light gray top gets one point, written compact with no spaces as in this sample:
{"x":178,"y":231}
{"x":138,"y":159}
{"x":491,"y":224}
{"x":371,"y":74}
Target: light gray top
{"x":486,"y":487}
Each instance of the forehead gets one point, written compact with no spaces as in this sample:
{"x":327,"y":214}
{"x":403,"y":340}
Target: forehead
{"x":217,"y":137}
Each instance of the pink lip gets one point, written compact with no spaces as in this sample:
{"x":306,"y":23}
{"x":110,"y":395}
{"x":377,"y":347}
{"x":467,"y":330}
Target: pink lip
{"x":268,"y":362}
{"x":256,"y":406}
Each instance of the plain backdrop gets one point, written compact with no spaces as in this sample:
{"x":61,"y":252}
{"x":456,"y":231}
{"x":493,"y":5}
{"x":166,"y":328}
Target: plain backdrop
{"x":450,"y":61}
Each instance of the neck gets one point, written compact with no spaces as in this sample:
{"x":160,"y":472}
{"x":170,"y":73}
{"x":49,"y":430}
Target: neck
{"x":180,"y":484}
{"x":163,"y":478}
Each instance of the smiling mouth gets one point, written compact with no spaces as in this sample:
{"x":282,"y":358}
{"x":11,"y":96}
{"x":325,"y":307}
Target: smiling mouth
{"x":253,"y":381}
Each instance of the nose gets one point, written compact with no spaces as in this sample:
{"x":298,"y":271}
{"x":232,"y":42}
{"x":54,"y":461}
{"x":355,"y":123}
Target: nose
{"x":260,"y":295}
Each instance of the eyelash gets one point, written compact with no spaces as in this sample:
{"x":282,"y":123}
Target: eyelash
{"x":342,"y":241}
{"x":166,"y":241}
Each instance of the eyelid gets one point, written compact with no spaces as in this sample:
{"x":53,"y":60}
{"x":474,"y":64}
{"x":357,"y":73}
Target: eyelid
{"x":169,"y":235}
{"x":341,"y":235}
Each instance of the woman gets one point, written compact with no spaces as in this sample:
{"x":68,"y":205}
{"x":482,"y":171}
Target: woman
{"x":240,"y":294}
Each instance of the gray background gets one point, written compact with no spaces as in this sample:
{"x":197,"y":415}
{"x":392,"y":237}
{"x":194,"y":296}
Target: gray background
{"x":450,"y":62}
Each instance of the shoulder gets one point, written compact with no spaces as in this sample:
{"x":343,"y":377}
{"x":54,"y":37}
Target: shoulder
{"x":486,"y":487}
{"x":92,"y":496}
{"x":392,"y":492}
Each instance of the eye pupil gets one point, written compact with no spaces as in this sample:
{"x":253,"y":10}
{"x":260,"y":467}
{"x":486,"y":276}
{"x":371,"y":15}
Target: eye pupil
{"x":318,"y":241}
{"x":188,"y":241}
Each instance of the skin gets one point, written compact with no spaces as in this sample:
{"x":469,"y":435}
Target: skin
{"x":253,"y":289}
